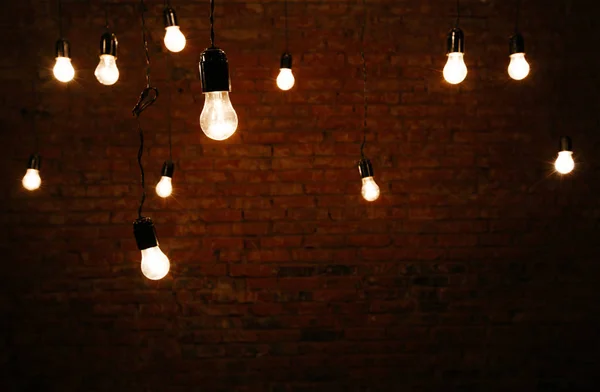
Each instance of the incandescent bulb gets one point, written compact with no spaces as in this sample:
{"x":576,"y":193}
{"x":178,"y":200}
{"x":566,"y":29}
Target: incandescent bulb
{"x":63,"y":69}
{"x":285,"y":79}
{"x":107,"y":72}
{"x":455,"y":70}
{"x":155,"y":264}
{"x":518,"y":68}
{"x":174,"y":39}
{"x":32,"y":180}
{"x":218,"y":120}
{"x":370,"y":190}
{"x":564,"y":164}
{"x":164,"y":188}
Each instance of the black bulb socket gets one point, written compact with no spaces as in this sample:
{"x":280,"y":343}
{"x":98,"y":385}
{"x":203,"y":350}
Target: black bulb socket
{"x":565,"y":144}
{"x":516,"y":44}
{"x":455,"y":41}
{"x":63,"y":48}
{"x":365,"y":168}
{"x":108,"y":44}
{"x":168,"y":169}
{"x":170,"y":17}
{"x":35,"y":161}
{"x":286,"y":60}
{"x":145,"y":234}
{"x":214,"y":71}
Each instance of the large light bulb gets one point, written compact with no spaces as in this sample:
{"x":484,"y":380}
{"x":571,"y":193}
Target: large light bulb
{"x":164,"y":188}
{"x":285,"y":79}
{"x":518,"y":68}
{"x":564,"y":164}
{"x":31,"y":180}
{"x":455,"y":70}
{"x":63,"y":69}
{"x":174,"y":39}
{"x":155,"y":264}
{"x":218,"y":120}
{"x":370,"y":190}
{"x":107,"y":72}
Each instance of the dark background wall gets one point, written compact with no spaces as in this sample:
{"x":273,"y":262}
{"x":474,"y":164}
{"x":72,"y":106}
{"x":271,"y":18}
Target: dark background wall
{"x":477,"y":269}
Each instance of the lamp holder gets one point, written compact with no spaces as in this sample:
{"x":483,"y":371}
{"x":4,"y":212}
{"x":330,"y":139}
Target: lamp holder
{"x":168,"y":169}
{"x":565,"y":144}
{"x":63,"y":48}
{"x":286,"y":60}
{"x":516,"y":44}
{"x":214,"y":71}
{"x":108,"y":44}
{"x":365,"y":168}
{"x":169,"y":17}
{"x":455,"y":41}
{"x":145,"y":234}
{"x":35,"y":161}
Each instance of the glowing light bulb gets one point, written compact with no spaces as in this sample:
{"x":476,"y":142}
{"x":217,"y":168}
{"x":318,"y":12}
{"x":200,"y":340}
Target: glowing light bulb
{"x":518,"y":69}
{"x":174,"y":39}
{"x":155,"y":264}
{"x":455,"y":70}
{"x":285,"y":79}
{"x":63,"y":69}
{"x":164,"y":188}
{"x":31,"y":180}
{"x":370,"y":190}
{"x":564,"y":164}
{"x":107,"y":72}
{"x":218,"y":120}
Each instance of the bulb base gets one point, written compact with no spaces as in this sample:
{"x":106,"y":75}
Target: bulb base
{"x":145,"y":234}
{"x":565,"y":144}
{"x":455,"y":41}
{"x":108,"y":44}
{"x":63,"y":48}
{"x":365,"y":168}
{"x":169,"y":17}
{"x":168,"y":169}
{"x":286,"y":61}
{"x":214,"y":71}
{"x":35,"y":161}
{"x":516,"y":44}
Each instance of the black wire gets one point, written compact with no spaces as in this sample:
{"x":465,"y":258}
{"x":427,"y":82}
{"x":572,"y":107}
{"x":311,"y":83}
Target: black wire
{"x":34,"y":112}
{"x":286,"y":25}
{"x":364,"y":71}
{"x":139,"y":159}
{"x":457,"y":12}
{"x":60,"y":24}
{"x":106,"y":14}
{"x":517,"y":15}
{"x":212,"y":23}
{"x":143,"y":10}
{"x":169,"y":92}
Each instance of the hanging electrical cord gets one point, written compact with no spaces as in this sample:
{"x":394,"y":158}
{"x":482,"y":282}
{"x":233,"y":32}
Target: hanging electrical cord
{"x":517,"y":16}
{"x":457,"y":13}
{"x":285,"y":79}
{"x":285,"y":14}
{"x":60,"y":23}
{"x":518,"y":68}
{"x":212,"y":24}
{"x":63,"y":69}
{"x":455,"y":70}
{"x":164,"y":188}
{"x":32,"y":180}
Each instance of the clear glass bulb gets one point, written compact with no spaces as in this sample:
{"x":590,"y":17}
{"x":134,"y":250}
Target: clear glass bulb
{"x":564,"y":163}
{"x":31,"y":180}
{"x":518,"y":68}
{"x":155,"y":264}
{"x":63,"y":69}
{"x":164,"y":188}
{"x":370,"y":190}
{"x":285,"y":79}
{"x":455,"y":70}
{"x":218,"y":120}
{"x":107,"y":72}
{"x":174,"y":39}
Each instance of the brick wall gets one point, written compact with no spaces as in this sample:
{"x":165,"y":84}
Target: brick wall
{"x":477,"y":268}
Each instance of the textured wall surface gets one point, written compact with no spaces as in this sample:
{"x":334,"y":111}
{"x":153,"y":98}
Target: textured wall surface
{"x":477,"y":269}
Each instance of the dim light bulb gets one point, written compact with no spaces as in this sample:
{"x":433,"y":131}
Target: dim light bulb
{"x":455,"y":70}
{"x":174,"y":39}
{"x":218,"y":119}
{"x":370,"y":190}
{"x":164,"y":188}
{"x":564,"y":164}
{"x":31,"y":180}
{"x":518,"y":69}
{"x":155,"y":264}
{"x":285,"y":79}
{"x":63,"y":69}
{"x":107,"y":72}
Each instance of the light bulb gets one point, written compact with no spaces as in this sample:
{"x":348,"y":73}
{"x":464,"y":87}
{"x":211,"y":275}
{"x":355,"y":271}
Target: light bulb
{"x":32,"y":180}
{"x":564,"y":164}
{"x":107,"y":72}
{"x":155,"y":264}
{"x":218,"y":120}
{"x":63,"y":69}
{"x":164,"y":188}
{"x":518,"y":68}
{"x":455,"y":70}
{"x":174,"y":39}
{"x":285,"y":79}
{"x":370,"y":190}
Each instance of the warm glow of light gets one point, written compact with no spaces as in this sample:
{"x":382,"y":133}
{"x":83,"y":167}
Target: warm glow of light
{"x":155,"y":264}
{"x":518,"y":69}
{"x":285,"y":80}
{"x":63,"y":69}
{"x":370,"y":190}
{"x":107,"y":72}
{"x":164,"y":188}
{"x":218,"y":120}
{"x":455,"y":70}
{"x":174,"y":39}
{"x":31,"y":180}
{"x":564,"y":163}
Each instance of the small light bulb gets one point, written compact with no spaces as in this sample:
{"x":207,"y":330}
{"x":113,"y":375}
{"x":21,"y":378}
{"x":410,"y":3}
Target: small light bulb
{"x":31,"y":180}
{"x":107,"y":72}
{"x":370,"y":190}
{"x":564,"y":164}
{"x":164,"y":188}
{"x":218,"y":119}
{"x":155,"y":264}
{"x":174,"y":39}
{"x":63,"y":69}
{"x":285,"y":79}
{"x":455,"y":70}
{"x":518,"y":69}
